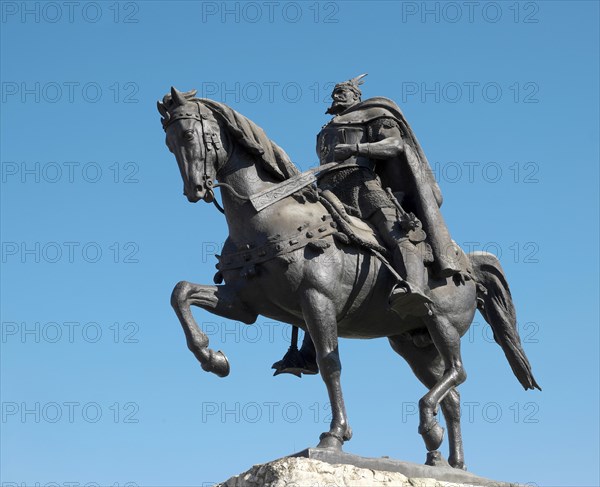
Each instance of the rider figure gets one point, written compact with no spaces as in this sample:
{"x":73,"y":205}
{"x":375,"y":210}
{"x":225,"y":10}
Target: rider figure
{"x":375,"y":137}
{"x":370,"y":134}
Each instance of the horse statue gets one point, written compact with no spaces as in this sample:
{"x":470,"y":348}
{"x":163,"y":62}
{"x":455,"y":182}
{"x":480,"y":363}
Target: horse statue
{"x":293,"y":263}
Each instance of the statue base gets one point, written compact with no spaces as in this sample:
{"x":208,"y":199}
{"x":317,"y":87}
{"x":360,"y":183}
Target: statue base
{"x":318,"y":466}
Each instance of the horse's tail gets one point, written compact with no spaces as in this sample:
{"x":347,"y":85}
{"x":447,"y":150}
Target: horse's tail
{"x":495,"y":304}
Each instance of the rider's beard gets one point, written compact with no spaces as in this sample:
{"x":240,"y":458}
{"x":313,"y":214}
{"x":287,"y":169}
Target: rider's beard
{"x":338,"y":107}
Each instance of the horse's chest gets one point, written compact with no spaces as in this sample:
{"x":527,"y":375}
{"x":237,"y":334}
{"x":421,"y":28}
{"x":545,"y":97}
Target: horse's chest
{"x":271,"y":288}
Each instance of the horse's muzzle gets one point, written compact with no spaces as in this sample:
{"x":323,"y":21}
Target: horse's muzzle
{"x":199,"y":192}
{"x":193,"y":197}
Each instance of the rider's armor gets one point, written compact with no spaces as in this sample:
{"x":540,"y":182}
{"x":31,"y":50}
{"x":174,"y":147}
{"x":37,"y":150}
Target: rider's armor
{"x":359,"y":188}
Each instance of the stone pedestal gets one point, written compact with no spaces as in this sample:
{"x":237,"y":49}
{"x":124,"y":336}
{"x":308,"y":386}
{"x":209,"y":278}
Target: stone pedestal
{"x":315,"y":467}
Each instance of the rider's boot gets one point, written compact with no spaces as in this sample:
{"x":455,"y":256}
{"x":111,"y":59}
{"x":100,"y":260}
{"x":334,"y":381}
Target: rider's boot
{"x":447,"y":262}
{"x":408,"y":297}
{"x":298,"y":362}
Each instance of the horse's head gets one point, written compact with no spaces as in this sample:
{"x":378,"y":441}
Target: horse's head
{"x":196,"y":139}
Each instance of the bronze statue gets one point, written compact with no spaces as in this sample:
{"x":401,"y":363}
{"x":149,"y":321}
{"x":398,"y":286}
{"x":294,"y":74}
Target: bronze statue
{"x":294,"y":254}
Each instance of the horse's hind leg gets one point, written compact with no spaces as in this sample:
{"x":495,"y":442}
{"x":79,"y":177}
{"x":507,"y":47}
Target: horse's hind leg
{"x":428,"y":366}
{"x":320,"y":317}
{"x":220,"y":300}
{"x":447,"y":341}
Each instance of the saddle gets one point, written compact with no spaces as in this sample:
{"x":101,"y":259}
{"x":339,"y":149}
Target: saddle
{"x":353,"y":229}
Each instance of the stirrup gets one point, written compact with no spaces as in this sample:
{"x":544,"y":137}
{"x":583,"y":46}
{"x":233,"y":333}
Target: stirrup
{"x":293,"y":362}
{"x":409,"y":302}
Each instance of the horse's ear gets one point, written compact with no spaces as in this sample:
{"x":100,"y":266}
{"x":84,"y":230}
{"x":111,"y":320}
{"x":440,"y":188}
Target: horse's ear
{"x":162,"y":109}
{"x":177,"y":96}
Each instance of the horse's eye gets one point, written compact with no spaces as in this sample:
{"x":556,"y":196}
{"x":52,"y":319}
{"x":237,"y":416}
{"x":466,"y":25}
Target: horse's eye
{"x":188,"y":135}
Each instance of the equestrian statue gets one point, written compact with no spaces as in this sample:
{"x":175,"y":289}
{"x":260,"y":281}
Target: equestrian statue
{"x":354,"y":248}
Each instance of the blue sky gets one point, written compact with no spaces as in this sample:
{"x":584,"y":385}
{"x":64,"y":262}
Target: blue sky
{"x":97,"y":383}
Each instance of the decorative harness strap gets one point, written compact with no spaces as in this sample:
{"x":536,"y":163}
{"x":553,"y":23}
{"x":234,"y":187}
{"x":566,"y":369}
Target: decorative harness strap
{"x":210,"y":139}
{"x":255,"y":255}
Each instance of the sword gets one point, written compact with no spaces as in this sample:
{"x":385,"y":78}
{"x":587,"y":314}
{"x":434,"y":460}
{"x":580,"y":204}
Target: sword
{"x":276,"y":193}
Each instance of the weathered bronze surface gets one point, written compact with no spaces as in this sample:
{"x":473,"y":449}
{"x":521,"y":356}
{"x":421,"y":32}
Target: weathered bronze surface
{"x":362,"y":253}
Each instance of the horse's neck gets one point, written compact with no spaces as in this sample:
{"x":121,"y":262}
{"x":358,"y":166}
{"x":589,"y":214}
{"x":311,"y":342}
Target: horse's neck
{"x":246,"y":178}
{"x":245,"y":175}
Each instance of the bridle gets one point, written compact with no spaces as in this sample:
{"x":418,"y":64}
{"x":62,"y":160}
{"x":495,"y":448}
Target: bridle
{"x":211,"y":144}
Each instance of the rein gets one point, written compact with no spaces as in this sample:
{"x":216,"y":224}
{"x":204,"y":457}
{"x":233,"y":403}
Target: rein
{"x":211,"y":144}
{"x":233,"y":191}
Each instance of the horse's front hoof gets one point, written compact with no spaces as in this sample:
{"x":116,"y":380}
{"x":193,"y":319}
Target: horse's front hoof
{"x":433,"y":435}
{"x":330,"y":441}
{"x":216,"y":363}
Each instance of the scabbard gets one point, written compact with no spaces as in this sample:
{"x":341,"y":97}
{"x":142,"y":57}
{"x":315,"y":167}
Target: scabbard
{"x":276,"y":193}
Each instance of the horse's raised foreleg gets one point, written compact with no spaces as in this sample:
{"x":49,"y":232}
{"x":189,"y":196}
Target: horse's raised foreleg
{"x":220,"y":300}
{"x":447,"y":342}
{"x":320,"y":317}
{"x":428,"y":366}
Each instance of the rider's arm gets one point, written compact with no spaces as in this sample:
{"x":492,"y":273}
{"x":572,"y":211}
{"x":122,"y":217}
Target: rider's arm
{"x":387,"y":140}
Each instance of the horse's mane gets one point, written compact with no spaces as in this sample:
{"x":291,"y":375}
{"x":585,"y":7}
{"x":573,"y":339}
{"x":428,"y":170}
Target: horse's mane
{"x":253,"y":139}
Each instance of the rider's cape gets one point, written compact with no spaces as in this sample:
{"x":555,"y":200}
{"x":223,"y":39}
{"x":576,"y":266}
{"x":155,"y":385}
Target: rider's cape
{"x":409,"y":175}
